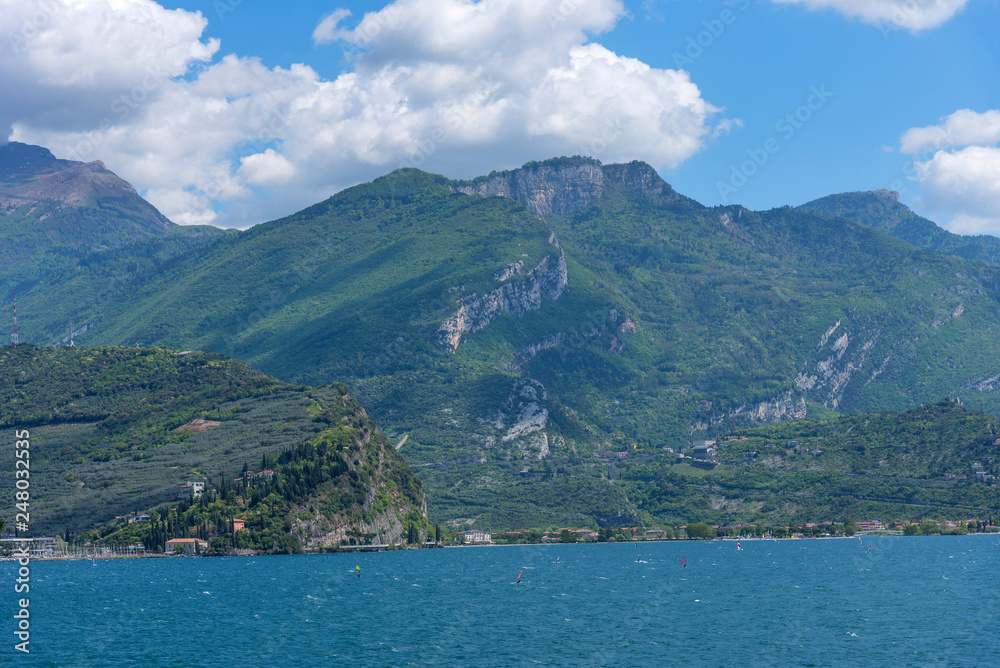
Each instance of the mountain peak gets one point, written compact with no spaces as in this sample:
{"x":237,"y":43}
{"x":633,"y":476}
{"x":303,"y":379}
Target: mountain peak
{"x":73,"y":193}
{"x":882,"y":210}
{"x":21,"y":162}
{"x":564,"y":185}
{"x":887,"y":194}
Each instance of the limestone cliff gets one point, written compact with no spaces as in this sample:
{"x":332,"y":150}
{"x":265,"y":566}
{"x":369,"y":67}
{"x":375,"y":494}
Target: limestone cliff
{"x":564,"y":185}
{"x":515,"y":297}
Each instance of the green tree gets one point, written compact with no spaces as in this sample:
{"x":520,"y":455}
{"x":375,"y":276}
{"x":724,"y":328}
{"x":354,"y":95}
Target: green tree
{"x":929,"y":528}
{"x":700,"y":530}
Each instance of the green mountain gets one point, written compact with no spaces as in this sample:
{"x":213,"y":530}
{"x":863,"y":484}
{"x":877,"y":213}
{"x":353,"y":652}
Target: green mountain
{"x":912,"y":465}
{"x":881,"y":210}
{"x":503,"y":330}
{"x":116,"y":430}
{"x":72,"y":234}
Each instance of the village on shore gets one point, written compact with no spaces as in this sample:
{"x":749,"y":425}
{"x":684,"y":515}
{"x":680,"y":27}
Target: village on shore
{"x":41,"y":548}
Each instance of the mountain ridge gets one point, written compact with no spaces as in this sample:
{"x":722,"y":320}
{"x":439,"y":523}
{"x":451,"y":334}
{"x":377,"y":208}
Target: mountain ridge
{"x":882,"y":210}
{"x":658,"y":319}
{"x":564,"y":185}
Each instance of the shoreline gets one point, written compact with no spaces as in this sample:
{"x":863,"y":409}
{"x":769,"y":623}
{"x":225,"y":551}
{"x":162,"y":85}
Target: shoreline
{"x":546,"y":544}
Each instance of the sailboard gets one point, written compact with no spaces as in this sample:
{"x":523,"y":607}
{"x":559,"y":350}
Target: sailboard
{"x":357,"y":571}
{"x":684,"y":561}
{"x":518,"y":580}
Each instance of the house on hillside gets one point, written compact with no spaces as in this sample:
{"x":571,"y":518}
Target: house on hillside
{"x":191,"y":490}
{"x":704,"y":453}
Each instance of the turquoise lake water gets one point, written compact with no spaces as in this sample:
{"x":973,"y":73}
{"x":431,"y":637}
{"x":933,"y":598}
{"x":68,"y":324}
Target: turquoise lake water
{"x":906,"y":602}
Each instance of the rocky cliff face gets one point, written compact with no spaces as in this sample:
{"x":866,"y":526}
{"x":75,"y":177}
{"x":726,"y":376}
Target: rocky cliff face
{"x":565,"y":185}
{"x":515,"y":297}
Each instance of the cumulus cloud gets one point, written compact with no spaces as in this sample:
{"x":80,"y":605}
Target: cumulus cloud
{"x":455,"y":86}
{"x":966,"y":183}
{"x":959,"y":173}
{"x":67,"y":64}
{"x":962,"y":128}
{"x":267,"y":169}
{"x":913,"y":15}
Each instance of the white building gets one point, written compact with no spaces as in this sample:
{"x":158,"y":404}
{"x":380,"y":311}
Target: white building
{"x":475,"y":537}
{"x":191,"y":490}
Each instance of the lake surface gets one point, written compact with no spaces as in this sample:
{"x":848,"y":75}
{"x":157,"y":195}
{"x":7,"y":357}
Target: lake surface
{"x":905,"y":602}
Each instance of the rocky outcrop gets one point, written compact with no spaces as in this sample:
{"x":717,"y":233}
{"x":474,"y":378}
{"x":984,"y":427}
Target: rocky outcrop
{"x":525,"y":414}
{"x":778,"y":409}
{"x":841,"y":355}
{"x":546,"y":280}
{"x":984,"y":384}
{"x":564,"y":185}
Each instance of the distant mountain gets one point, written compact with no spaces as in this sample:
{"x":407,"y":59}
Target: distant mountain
{"x":72,"y":233}
{"x":23,"y":162}
{"x":115,"y":430}
{"x":31,"y":177}
{"x":881,"y":210}
{"x":504,"y":337}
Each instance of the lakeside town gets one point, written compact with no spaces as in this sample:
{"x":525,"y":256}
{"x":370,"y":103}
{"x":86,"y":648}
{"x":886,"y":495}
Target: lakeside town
{"x":49,"y":547}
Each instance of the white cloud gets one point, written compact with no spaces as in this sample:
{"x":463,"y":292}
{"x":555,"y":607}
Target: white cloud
{"x":267,"y":169}
{"x":966,"y":184}
{"x":913,"y":15}
{"x":959,"y":171}
{"x":962,"y":128}
{"x":454,"y":86}
{"x":74,"y":62}
{"x":327,"y":30}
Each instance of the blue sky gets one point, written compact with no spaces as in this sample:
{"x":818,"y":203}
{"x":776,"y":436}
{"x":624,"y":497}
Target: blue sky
{"x":758,"y":102}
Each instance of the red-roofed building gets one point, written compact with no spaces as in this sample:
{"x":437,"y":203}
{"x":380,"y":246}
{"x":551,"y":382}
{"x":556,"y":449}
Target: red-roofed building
{"x":187,"y":545}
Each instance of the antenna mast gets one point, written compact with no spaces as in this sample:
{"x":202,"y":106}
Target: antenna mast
{"x":13,"y":334}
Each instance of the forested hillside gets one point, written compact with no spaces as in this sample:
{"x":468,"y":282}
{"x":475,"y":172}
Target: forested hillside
{"x":117,"y":430}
